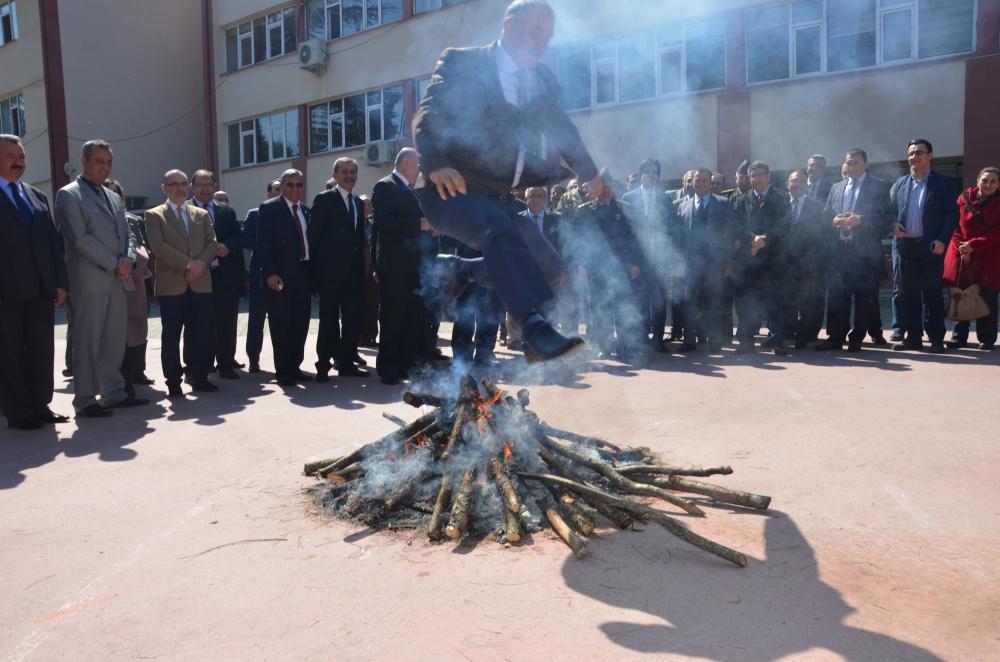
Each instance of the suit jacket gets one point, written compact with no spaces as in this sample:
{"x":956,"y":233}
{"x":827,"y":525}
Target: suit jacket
{"x":940,"y":206}
{"x":396,"y":218}
{"x":772,"y":218}
{"x":823,"y":193}
{"x":95,"y":235}
{"x":551,"y":222}
{"x":176,"y":248}
{"x":806,"y":245}
{"x":250,"y":243}
{"x":230,"y":276}
{"x":653,"y":231}
{"x":31,"y":261}
{"x":721,"y":234}
{"x":464,"y":122}
{"x":875,"y":208}
{"x":278,"y":242}
{"x":336,"y":240}
{"x":545,"y":254}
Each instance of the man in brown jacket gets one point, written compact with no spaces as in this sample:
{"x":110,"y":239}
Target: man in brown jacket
{"x":182,"y":237}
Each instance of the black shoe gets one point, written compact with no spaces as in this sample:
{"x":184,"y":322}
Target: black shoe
{"x":322,"y":377}
{"x":908,"y":345}
{"x":360,"y":361}
{"x":880,"y":340}
{"x":390,"y":380}
{"x":48,"y":416}
{"x":936,"y":348}
{"x":746,"y":348}
{"x":673,"y":337}
{"x":254,"y":367}
{"x":94,"y":411}
{"x":801,"y":344}
{"x":68,"y":372}
{"x":175,"y":392}
{"x":687,"y":347}
{"x":896,"y":337}
{"x":543,"y":343}
{"x":435,"y":354}
{"x":228,"y":374}
{"x":778,"y":350}
{"x":143,"y":380}
{"x":26,"y":424}
{"x":302,"y":377}
{"x":204,"y":386}
{"x":828,"y":345}
{"x":854,"y":347}
{"x":130,"y":401}
{"x":957,"y":344}
{"x":285,"y":381}
{"x":352,"y":371}
{"x":213,"y":369}
{"x":985,"y":346}
{"x":238,"y":366}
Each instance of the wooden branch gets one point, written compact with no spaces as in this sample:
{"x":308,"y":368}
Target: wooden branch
{"x":666,"y":521}
{"x":574,"y":512}
{"x":675,"y":471}
{"x":562,"y":529}
{"x":578,"y":439}
{"x":360,"y":453}
{"x":456,"y":434}
{"x":720,"y":494}
{"x":440,"y":506}
{"x":616,"y":516}
{"x":408,"y":486}
{"x":348,"y":474}
{"x":314,"y":467}
{"x":514,"y":533}
{"x":620,"y":481}
{"x":507,"y":492}
{"x":395,"y":419}
{"x":460,"y":509}
{"x":420,"y":399}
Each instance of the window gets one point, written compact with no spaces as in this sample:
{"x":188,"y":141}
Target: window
{"x":357,"y":120}
{"x":825,"y":36}
{"x":422,"y":86}
{"x":269,"y":138}
{"x":263,"y":38}
{"x":332,"y":19}
{"x":642,"y":66}
{"x":136,"y":204}
{"x":12,"y":115}
{"x":8,"y":22}
{"x":421,"y":6}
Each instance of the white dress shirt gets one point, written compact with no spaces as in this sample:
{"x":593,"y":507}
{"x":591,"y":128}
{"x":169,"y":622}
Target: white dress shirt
{"x":404,"y":179}
{"x":510,"y":83}
{"x":348,"y":203}
{"x":539,"y":219}
{"x":302,"y":223}
{"x":181,"y":213}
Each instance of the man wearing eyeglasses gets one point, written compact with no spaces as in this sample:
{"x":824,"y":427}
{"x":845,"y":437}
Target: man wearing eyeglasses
{"x":926,"y":216}
{"x":183,"y":239}
{"x":283,"y":246}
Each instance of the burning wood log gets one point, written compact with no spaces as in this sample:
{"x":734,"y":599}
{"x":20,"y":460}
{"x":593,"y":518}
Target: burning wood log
{"x":352,"y":472}
{"x":395,"y":419}
{"x":578,"y":439}
{"x":408,"y":486}
{"x":440,"y":506}
{"x":347,"y":460}
{"x":460,"y":509}
{"x":560,"y":527}
{"x":676,"y":471}
{"x":507,"y":492}
{"x":513,"y":523}
{"x":720,"y":494}
{"x":456,"y":434}
{"x":420,"y":399}
{"x":572,"y":510}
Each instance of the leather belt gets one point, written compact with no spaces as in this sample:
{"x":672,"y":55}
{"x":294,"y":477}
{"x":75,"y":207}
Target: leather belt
{"x":920,"y":239}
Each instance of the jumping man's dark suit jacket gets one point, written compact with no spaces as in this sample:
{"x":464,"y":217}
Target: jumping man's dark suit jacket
{"x":30,"y":259}
{"x":278,"y":241}
{"x":771,"y":217}
{"x":874,"y":206}
{"x":940,"y":206}
{"x":464,"y":122}
{"x":335,"y":238}
{"x":396,"y":229}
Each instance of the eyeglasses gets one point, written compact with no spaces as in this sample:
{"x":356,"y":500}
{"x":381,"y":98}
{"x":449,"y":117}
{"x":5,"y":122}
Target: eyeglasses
{"x":176,"y":184}
{"x":204,"y":185}
{"x":650,"y":172}
{"x":293,"y":185}
{"x":922,"y":152}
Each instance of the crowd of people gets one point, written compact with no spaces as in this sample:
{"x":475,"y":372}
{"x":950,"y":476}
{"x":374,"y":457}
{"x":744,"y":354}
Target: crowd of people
{"x":475,"y":226}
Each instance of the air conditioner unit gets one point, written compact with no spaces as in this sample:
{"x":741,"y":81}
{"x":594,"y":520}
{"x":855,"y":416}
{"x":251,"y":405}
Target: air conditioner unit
{"x":312,"y":56}
{"x":380,"y":153}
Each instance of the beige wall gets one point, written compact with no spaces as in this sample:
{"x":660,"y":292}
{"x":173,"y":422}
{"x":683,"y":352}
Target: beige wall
{"x":125,"y":82}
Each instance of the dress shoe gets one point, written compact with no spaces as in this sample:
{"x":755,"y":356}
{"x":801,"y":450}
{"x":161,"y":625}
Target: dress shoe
{"x":26,"y":424}
{"x":746,"y":348}
{"x":143,"y":380}
{"x":360,"y":361}
{"x":544,"y":343}
{"x":985,"y":346}
{"x":778,"y":350}
{"x":436,"y":354}
{"x":94,"y":411}
{"x":854,"y":347}
{"x":907,"y":346}
{"x":130,"y":401}
{"x":687,"y":347}
{"x":49,"y":416}
{"x":302,"y":377}
{"x":213,"y":369}
{"x":828,"y":345}
{"x":936,"y":347}
{"x":390,"y":380}
{"x":801,"y":344}
{"x":68,"y":372}
{"x":254,"y":367}
{"x":880,"y":340}
{"x":228,"y":374}
{"x":285,"y":381}
{"x":673,"y":337}
{"x":175,"y":392}
{"x":896,"y":337}
{"x":322,"y":377}
{"x":352,"y":371}
{"x":204,"y":386}
{"x":239,"y":366}
{"x":957,"y":344}
{"x":336,"y":364}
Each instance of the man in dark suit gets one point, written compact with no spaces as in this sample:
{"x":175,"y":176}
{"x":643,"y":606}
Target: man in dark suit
{"x":256,"y":301}
{"x":926,"y":217}
{"x":283,"y":245}
{"x":32,"y":277}
{"x":764,"y":219}
{"x":228,"y":274}
{"x":858,"y":213}
{"x":817,"y":188}
{"x":337,"y":267}
{"x":654,"y":214}
{"x":479,"y":133}
{"x":704,"y":235}
{"x":807,"y":263}
{"x":398,"y":225}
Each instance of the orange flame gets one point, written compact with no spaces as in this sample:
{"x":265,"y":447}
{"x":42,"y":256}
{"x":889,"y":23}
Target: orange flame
{"x":508,"y":450}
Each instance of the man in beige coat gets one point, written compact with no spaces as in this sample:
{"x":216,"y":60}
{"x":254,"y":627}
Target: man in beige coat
{"x":183,"y":240}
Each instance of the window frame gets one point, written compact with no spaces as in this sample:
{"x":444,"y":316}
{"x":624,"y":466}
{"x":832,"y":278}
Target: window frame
{"x":253,"y":130}
{"x":15,"y":115}
{"x":9,"y":8}
{"x":251,"y":30}
{"x":369,"y":108}
{"x":327,"y":4}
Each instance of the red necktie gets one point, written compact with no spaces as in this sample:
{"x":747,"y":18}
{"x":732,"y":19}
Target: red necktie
{"x":298,"y":228}
{"x":760,"y":199}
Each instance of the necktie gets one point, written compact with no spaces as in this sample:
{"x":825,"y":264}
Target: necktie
{"x":350,"y":210}
{"x":180,"y":216}
{"x":760,"y":199}
{"x":795,"y":211}
{"x":298,"y":228}
{"x":522,"y":87}
{"x":207,"y":207}
{"x":22,"y":206}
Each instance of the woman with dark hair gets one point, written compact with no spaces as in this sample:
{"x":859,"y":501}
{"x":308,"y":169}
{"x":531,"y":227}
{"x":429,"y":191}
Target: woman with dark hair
{"x":974,"y":255}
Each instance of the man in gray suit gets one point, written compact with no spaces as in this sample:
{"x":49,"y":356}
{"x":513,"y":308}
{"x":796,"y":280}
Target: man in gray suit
{"x":100,"y":252}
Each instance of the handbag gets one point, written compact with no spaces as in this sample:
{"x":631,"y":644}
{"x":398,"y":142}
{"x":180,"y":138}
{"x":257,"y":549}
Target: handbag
{"x":966,"y":305}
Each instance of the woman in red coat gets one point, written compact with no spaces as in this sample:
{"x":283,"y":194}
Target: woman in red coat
{"x":975,"y":247}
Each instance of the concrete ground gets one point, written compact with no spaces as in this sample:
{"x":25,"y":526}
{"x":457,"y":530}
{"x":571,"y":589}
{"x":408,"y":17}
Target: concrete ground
{"x":180,"y":531}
